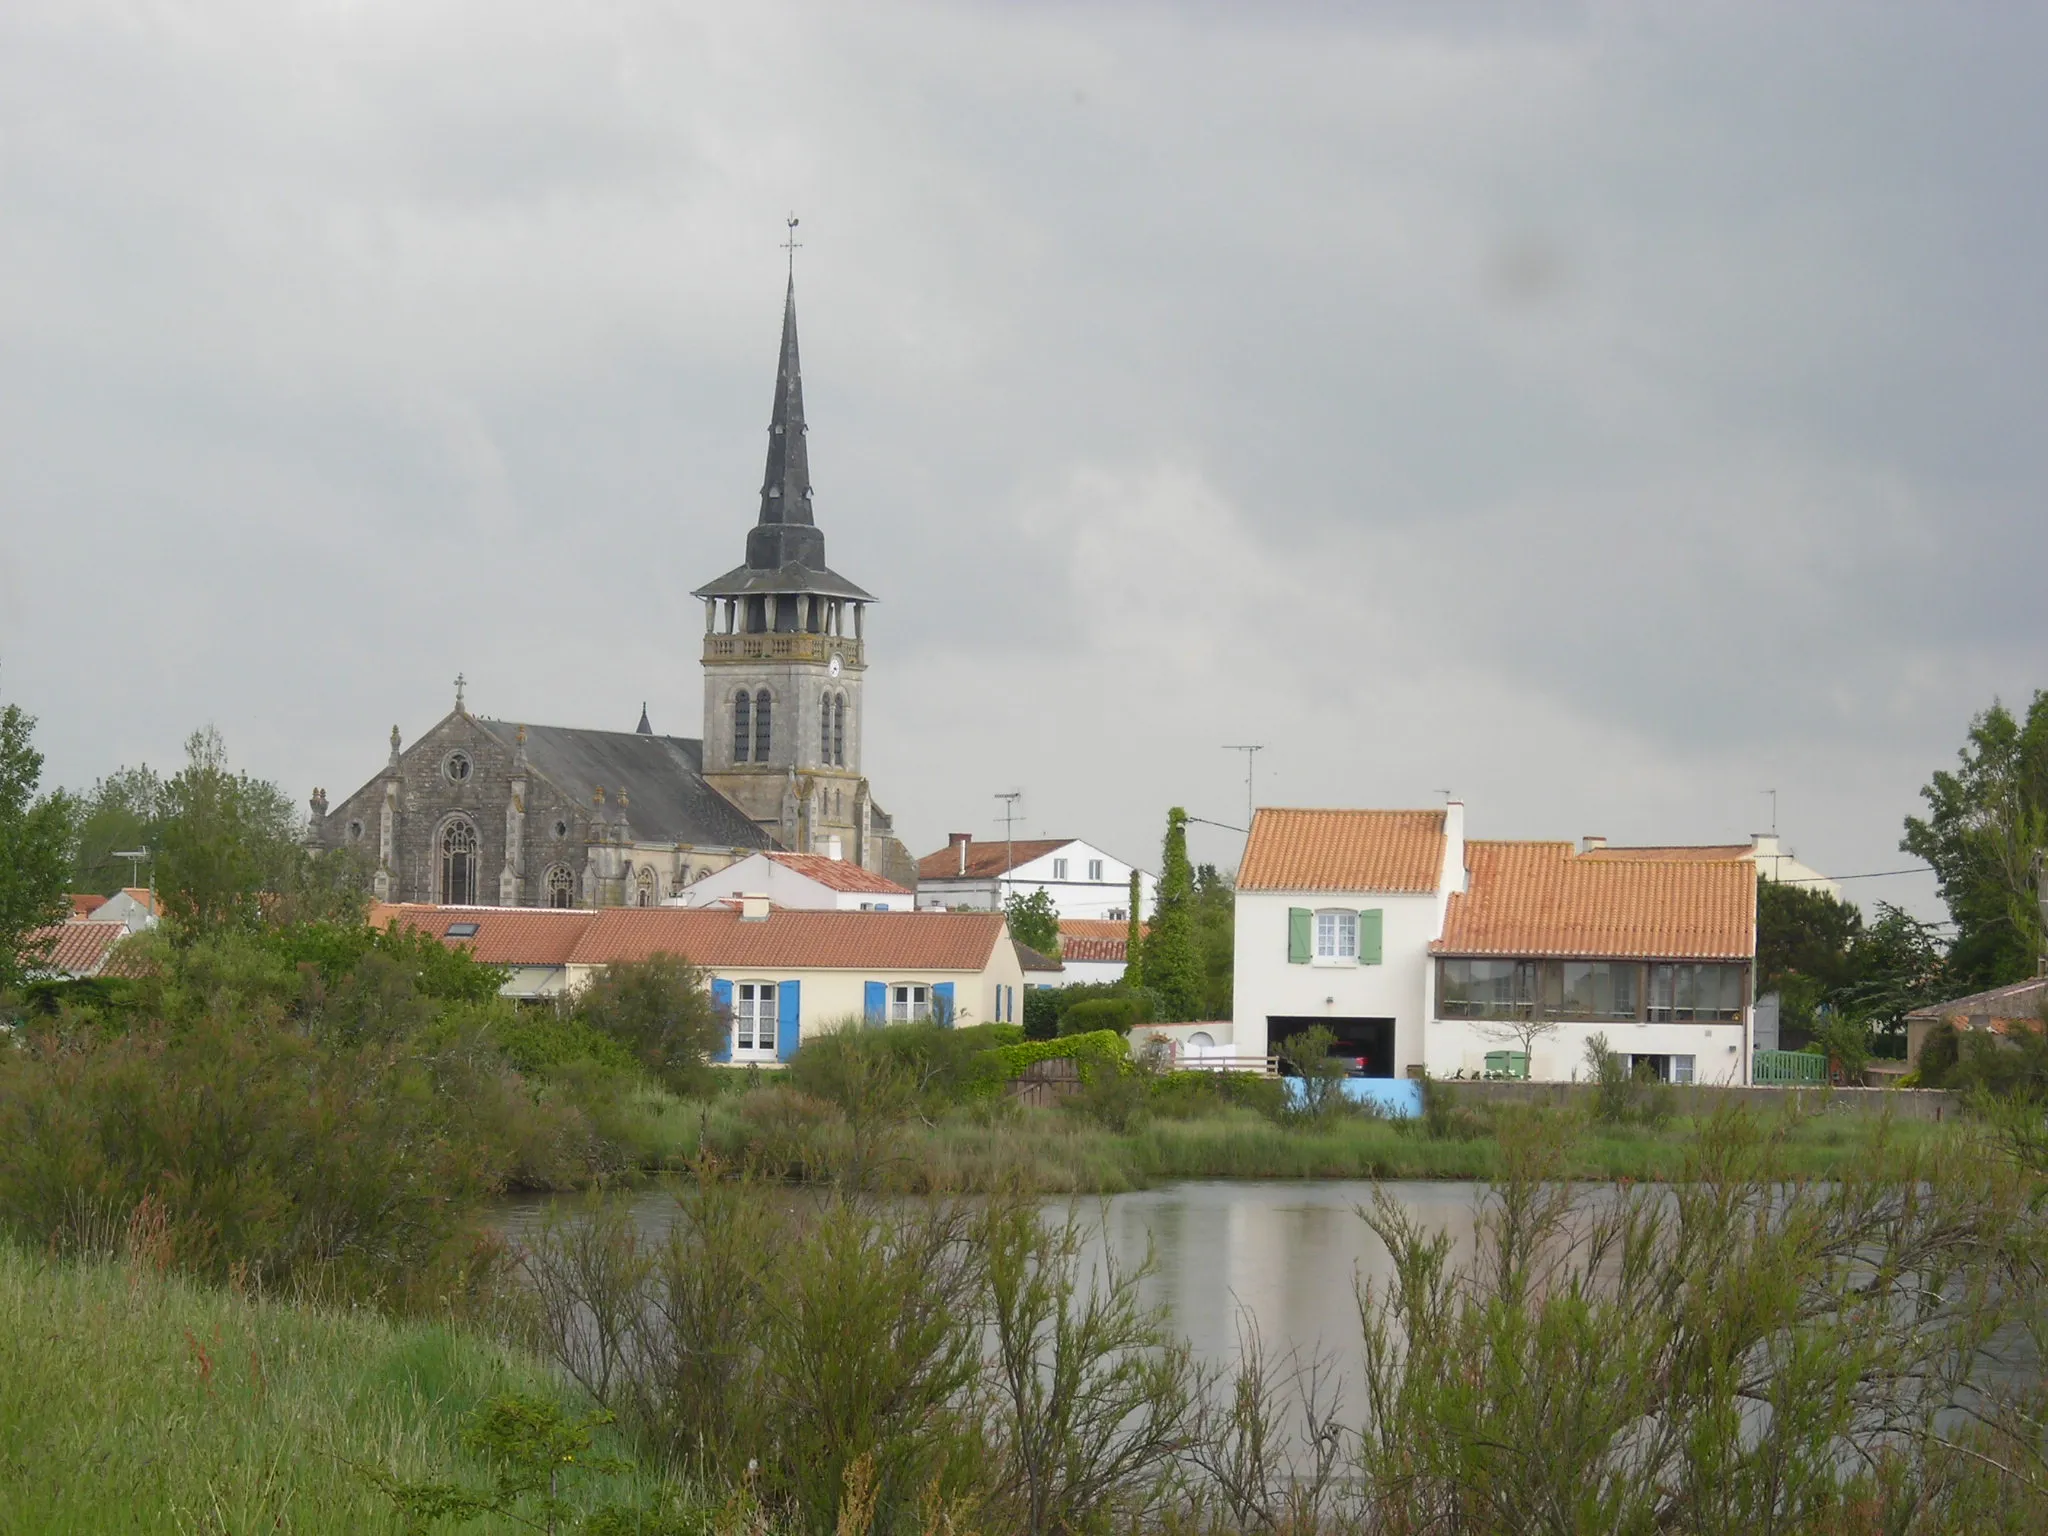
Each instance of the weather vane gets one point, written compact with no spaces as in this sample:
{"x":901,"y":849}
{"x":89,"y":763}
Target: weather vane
{"x":792,"y":245}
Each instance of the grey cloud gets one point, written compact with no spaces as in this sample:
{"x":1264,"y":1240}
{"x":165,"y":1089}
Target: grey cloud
{"x":1605,"y":413}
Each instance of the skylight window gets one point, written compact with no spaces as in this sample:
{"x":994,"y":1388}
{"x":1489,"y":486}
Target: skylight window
{"x":462,"y":930}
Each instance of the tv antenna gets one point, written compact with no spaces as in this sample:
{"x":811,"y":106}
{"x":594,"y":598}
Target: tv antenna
{"x":1009,"y":797}
{"x":1251,"y":753}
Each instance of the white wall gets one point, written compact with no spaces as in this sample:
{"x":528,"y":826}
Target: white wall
{"x":1719,"y":1051}
{"x":1075,"y":973}
{"x":759,"y":875}
{"x":1397,"y":988}
{"x":1074,"y":896}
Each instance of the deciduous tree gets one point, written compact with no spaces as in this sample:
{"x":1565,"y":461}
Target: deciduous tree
{"x":1985,"y":834}
{"x":1034,"y":920}
{"x":35,"y":845}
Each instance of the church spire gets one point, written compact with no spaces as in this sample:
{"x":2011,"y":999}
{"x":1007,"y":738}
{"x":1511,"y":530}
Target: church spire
{"x":786,"y":534}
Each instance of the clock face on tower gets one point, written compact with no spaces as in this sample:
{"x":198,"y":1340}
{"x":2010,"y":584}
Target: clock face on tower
{"x":832,"y":667}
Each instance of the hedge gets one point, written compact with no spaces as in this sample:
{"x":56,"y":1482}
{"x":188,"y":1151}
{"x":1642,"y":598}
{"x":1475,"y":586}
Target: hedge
{"x":992,"y":1069}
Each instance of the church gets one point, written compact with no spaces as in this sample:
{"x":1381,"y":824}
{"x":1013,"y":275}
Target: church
{"x":511,"y":814}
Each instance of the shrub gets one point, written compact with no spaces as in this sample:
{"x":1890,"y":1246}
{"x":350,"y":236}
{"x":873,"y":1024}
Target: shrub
{"x":1041,"y":1013}
{"x":661,"y":1011}
{"x":269,"y":1158}
{"x":1117,"y":1013}
{"x":1104,"y":1048}
{"x":1193,"y":1095}
{"x":539,"y":1040}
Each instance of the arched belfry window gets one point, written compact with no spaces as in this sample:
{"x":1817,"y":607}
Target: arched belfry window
{"x":839,"y":730}
{"x":825,"y":731}
{"x":561,"y":886}
{"x":458,"y":863}
{"x":742,"y":725}
{"x":761,"y":734}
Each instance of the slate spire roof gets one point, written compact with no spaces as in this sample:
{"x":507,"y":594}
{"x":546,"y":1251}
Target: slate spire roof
{"x":785,"y":547}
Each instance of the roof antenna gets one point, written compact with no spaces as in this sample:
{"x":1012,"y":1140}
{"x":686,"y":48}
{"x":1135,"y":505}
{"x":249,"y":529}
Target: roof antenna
{"x":792,"y":245}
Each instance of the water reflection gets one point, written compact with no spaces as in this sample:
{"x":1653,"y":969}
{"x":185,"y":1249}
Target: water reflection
{"x":1281,"y":1255}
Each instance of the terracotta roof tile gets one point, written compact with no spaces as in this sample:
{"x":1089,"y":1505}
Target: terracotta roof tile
{"x":839,"y":874}
{"x":1542,"y":899}
{"x":836,"y":941}
{"x":79,"y":947}
{"x":2019,"y":1000}
{"x":1095,"y":928}
{"x":1116,"y":951}
{"x":1669,"y":852}
{"x":85,"y":905}
{"x":985,"y":859}
{"x":504,"y":935}
{"x":1293,"y":850}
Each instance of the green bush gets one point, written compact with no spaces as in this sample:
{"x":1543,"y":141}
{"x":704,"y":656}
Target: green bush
{"x":660,"y":1010}
{"x":1041,"y":1013}
{"x":1103,"y":1048}
{"x":1116,"y":1013}
{"x":537,"y":1040}
{"x":1196,"y":1095}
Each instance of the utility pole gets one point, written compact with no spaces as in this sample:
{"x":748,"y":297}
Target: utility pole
{"x":1251,"y":757}
{"x":1009,"y":797}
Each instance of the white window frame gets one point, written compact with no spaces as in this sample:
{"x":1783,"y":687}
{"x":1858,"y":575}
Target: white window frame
{"x":910,"y":1002}
{"x":754,"y":1008}
{"x":1684,"y":1069}
{"x":1095,"y":869}
{"x":1059,"y":869}
{"x":1335,"y":941}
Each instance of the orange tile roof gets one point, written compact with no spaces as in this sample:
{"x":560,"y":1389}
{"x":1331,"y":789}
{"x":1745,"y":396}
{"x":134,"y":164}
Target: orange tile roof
{"x":147,"y":899}
{"x":85,"y":905}
{"x":985,"y":859}
{"x":504,"y":935}
{"x":1291,"y":850}
{"x":78,"y":947}
{"x":839,"y":874}
{"x":1095,"y":928}
{"x":1116,"y":950}
{"x":1542,"y":899}
{"x":1674,"y":851}
{"x":720,"y":939}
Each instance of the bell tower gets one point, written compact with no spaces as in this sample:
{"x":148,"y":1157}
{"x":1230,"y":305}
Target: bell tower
{"x":785,"y":649}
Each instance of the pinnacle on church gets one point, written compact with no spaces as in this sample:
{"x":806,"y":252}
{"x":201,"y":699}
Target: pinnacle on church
{"x":786,"y":534}
{"x":643,"y":728}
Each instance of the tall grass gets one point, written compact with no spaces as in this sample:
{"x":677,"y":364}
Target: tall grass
{"x":134,"y":1401}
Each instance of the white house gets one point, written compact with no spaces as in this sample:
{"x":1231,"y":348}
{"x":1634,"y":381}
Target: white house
{"x":781,"y":977}
{"x":1082,"y":880}
{"x":811,"y":882}
{"x":1423,"y":951}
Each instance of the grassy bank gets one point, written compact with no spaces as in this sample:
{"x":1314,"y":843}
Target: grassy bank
{"x":133,"y":1402}
{"x":1066,"y":1151}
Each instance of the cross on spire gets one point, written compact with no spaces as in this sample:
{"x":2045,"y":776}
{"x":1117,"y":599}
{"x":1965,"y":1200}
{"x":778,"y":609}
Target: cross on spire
{"x":461,"y":682}
{"x":792,"y":245}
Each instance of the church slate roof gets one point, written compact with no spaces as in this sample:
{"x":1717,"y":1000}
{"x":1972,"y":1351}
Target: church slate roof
{"x":667,"y":799}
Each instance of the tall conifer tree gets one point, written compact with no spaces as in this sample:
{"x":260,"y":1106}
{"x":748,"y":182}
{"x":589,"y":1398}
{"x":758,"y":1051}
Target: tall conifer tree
{"x":1134,"y":937}
{"x":1173,"y":968}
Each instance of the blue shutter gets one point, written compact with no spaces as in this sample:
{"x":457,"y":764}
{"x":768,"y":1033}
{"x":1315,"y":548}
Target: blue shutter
{"x":942,"y":1003}
{"x":721,"y":999}
{"x":789,"y":1031}
{"x":876,"y":1009}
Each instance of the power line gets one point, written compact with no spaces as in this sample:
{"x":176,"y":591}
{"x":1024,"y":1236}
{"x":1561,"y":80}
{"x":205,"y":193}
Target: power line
{"x":1875,"y":874}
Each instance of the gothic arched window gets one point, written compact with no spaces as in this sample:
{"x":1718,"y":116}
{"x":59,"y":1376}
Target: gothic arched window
{"x":561,"y":886}
{"x":761,"y":735}
{"x":825,"y":730}
{"x":644,"y":894}
{"x":839,"y":730}
{"x":742,"y":725}
{"x":458,"y":863}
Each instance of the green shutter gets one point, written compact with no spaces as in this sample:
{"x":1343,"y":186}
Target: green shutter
{"x":1369,"y":936}
{"x":1300,"y":935}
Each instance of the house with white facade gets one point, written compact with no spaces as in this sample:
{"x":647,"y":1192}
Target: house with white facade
{"x":1093,"y":950}
{"x":1423,"y":951}
{"x":780,"y":977}
{"x":811,"y":882}
{"x":1081,"y":879}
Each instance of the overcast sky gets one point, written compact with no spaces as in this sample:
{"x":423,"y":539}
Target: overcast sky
{"x":1605,"y":412}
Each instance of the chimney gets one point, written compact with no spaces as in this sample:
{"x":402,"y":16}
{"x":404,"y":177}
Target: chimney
{"x":1591,"y":841}
{"x":753,"y":908}
{"x":960,"y":840}
{"x":834,"y":848}
{"x":1452,"y":881}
